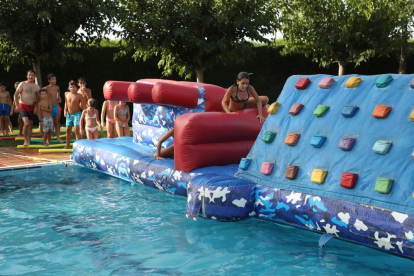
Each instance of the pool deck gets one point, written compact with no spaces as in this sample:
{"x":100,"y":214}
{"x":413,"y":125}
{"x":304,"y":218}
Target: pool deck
{"x":13,"y":158}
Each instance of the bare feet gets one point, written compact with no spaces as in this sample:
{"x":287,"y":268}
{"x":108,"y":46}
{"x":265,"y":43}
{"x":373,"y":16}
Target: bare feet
{"x":60,"y":140}
{"x":66,"y":147}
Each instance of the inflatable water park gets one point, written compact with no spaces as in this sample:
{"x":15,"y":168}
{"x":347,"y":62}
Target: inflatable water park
{"x":334,"y":156}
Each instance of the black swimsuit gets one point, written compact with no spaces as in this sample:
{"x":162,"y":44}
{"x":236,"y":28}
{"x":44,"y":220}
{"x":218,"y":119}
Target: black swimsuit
{"x":236,"y":99}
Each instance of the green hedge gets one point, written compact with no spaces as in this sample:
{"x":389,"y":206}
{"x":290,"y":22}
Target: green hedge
{"x":270,"y":70}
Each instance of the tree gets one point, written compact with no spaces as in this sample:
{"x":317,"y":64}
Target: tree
{"x":35,"y":30}
{"x":403,"y":12}
{"x":192,"y":35}
{"x":341,"y":31}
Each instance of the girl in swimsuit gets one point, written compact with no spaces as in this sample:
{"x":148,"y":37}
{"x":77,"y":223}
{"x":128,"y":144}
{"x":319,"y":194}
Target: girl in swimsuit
{"x":91,"y":116}
{"x":121,"y":112}
{"x":239,"y":96}
{"x":108,"y":108}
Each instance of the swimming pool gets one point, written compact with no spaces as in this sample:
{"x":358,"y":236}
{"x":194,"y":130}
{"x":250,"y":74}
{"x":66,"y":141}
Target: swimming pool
{"x":60,"y":220}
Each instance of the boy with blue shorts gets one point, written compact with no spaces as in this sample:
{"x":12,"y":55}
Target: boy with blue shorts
{"x":5,"y":110}
{"x":53,"y":94}
{"x":44,"y":110}
{"x":74,"y":104}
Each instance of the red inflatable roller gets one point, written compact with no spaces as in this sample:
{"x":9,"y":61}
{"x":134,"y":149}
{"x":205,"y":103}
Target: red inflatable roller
{"x":139,"y":92}
{"x":218,"y":127}
{"x":192,"y":157}
{"x":154,"y":81}
{"x":214,"y":94}
{"x":116,"y":90}
{"x":165,"y":93}
{"x":214,"y":138}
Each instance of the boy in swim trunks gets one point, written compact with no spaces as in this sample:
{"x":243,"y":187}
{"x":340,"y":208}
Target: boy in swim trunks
{"x":25,"y":100}
{"x":19,"y":120}
{"x":5,"y":110}
{"x":53,"y":94}
{"x":44,"y":108}
{"x":86,"y":92}
{"x":74,"y":103}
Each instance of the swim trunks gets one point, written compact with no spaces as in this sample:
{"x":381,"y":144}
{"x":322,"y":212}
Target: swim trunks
{"x":4,"y":110}
{"x":73,"y":119}
{"x":55,"y":110}
{"x":27,"y":111}
{"x":47,"y":124}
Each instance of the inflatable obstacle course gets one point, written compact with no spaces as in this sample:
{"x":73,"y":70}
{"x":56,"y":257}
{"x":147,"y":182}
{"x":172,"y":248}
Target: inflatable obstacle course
{"x":326,"y":177}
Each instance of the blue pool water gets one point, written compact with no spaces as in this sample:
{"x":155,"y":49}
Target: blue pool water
{"x":61,"y":220}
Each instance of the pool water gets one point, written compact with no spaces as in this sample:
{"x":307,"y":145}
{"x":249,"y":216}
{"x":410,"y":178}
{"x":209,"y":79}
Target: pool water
{"x":61,"y":220}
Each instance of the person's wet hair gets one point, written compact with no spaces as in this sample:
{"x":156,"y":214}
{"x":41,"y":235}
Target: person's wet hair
{"x":92,"y":103}
{"x":51,"y":75}
{"x":72,"y":82}
{"x":31,"y":71}
{"x":243,"y":75}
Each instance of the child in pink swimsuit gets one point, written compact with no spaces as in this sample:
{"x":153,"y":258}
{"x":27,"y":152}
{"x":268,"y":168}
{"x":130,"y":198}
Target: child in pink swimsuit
{"x":91,"y":116}
{"x":122,"y":117}
{"x":108,"y":108}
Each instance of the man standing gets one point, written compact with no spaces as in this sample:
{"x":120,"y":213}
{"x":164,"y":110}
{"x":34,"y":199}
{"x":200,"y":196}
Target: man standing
{"x":25,"y":100}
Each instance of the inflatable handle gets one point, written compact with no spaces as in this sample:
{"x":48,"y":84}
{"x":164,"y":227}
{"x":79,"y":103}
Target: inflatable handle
{"x":116,"y":90}
{"x":139,"y":92}
{"x":174,"y":94}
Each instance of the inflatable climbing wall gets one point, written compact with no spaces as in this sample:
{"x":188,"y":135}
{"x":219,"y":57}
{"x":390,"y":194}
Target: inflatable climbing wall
{"x":336,"y":156}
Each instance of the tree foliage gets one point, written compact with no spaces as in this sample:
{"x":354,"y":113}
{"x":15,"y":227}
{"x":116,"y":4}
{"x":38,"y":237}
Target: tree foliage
{"x":36,"y":30}
{"x":341,"y":31}
{"x":192,"y":35}
{"x":404,"y":15}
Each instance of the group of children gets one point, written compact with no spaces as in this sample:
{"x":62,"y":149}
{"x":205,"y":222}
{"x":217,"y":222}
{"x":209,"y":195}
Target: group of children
{"x":80,"y":111}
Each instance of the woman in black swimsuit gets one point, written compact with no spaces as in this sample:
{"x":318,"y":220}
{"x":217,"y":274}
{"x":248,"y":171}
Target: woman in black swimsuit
{"x":239,"y":96}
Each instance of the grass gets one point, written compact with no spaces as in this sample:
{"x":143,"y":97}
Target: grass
{"x":14,"y":143}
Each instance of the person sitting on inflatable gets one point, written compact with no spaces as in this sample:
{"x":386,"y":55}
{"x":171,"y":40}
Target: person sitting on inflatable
{"x":239,"y":95}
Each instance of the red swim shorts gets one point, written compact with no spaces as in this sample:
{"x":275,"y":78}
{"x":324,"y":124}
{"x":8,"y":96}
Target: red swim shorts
{"x":27,"y":111}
